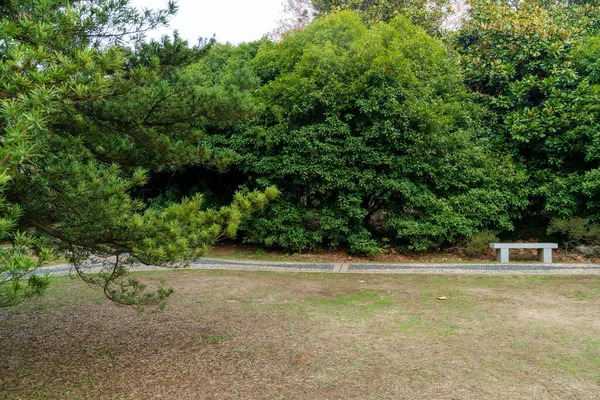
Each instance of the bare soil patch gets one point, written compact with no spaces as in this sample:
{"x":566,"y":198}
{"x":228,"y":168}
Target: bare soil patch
{"x":257,"y":335}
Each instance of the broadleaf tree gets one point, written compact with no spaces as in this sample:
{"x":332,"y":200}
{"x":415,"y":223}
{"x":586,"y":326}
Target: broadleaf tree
{"x":435,"y":16}
{"x":528,"y":62}
{"x":428,"y":14}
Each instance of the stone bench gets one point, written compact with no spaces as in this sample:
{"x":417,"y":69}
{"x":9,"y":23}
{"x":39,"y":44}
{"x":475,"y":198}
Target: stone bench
{"x":544,"y":250}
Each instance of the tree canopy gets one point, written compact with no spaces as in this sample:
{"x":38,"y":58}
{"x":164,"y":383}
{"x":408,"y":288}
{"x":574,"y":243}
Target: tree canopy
{"x":526,"y":63}
{"x":425,"y":13}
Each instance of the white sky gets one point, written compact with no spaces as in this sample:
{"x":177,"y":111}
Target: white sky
{"x":232,"y":21}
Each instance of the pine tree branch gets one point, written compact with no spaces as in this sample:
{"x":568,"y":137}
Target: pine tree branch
{"x":62,"y":237}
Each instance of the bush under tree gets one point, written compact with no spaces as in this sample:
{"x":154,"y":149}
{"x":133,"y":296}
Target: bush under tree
{"x":369,"y":134}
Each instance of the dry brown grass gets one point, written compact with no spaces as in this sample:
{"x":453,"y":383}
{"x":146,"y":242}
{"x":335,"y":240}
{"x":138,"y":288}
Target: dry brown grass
{"x":248,"y":335}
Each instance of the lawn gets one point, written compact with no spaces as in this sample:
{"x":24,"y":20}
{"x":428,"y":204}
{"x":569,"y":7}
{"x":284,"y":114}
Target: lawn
{"x":251,"y":335}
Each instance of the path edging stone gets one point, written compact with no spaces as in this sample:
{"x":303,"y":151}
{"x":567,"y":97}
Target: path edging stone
{"x":406,"y":268}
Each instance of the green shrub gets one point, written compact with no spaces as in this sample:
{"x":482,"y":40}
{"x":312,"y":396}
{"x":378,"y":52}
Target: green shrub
{"x":575,"y":231}
{"x":479,"y":243}
{"x":369,"y":133}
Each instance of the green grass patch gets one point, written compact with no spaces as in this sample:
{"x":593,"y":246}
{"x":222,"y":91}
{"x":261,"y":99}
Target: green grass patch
{"x":366,"y":299}
{"x":214,"y":339}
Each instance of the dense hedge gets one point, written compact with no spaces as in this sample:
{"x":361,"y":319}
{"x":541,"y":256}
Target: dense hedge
{"x":371,"y":138}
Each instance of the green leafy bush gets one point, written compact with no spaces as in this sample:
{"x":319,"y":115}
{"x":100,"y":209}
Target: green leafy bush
{"x":533,"y":67}
{"x":576,"y":231}
{"x":369,"y":133}
{"x":480,"y":243}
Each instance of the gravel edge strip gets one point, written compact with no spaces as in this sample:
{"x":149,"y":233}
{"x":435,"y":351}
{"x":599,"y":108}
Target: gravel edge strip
{"x":411,"y":268}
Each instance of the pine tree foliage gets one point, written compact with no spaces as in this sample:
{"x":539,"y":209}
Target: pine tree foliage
{"x":83,"y":122}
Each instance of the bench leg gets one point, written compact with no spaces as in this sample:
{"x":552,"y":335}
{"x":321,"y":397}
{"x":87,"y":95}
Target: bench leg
{"x":502,"y":255}
{"x":545,"y":256}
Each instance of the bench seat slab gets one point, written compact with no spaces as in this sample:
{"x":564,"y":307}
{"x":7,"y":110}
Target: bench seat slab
{"x":524,"y":245}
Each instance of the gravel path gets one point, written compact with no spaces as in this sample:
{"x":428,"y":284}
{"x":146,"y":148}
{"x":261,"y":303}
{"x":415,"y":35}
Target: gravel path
{"x":492,"y":268}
